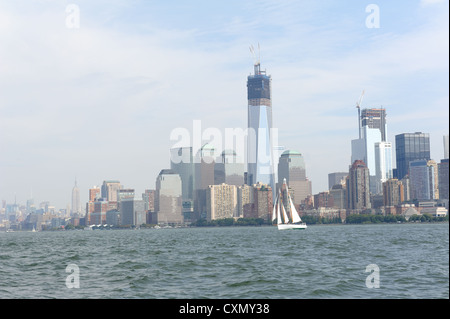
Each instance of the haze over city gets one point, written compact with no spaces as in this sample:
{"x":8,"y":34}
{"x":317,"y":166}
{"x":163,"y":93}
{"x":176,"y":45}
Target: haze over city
{"x":98,"y":101}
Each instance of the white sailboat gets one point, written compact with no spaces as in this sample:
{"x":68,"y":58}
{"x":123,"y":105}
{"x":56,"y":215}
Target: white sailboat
{"x":290,"y":219}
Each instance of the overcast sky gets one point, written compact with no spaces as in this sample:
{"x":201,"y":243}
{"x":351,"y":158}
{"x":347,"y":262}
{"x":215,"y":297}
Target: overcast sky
{"x":98,"y":100}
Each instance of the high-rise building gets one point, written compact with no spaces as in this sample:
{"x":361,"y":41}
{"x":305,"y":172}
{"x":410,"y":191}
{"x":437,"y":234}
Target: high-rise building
{"x":445,"y":146}
{"x":260,"y":139}
{"x":132,"y":211}
{"x":230,"y":169}
{"x":338,"y":194}
{"x":182,"y":162}
{"x":291,"y":166}
{"x":76,"y":202}
{"x":443,"y":179}
{"x":94,"y":193}
{"x":383,"y":164}
{"x":109,"y":191}
{"x":203,"y":177}
{"x":221,"y":202}
{"x":149,"y":198}
{"x":337,"y":178}
{"x":168,"y":198}
{"x":393,"y":192}
{"x":423,"y":180}
{"x":358,"y":194}
{"x":410,"y":147}
{"x":373,"y":129}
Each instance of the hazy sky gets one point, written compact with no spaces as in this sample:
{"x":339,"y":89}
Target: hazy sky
{"x":98,"y":100}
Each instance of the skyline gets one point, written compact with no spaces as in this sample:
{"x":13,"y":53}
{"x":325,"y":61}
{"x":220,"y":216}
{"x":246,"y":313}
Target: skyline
{"x":102,"y":99}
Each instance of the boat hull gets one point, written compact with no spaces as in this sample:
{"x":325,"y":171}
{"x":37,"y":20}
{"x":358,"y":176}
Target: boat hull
{"x":291,"y":226}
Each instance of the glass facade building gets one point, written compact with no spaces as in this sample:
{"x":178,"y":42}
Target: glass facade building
{"x":259,"y":141}
{"x":291,"y":166}
{"x":410,"y":147}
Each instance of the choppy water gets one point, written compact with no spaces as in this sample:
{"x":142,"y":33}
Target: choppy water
{"x":237,"y":262}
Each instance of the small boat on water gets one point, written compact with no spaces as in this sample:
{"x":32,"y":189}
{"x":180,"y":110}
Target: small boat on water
{"x":284,"y":211}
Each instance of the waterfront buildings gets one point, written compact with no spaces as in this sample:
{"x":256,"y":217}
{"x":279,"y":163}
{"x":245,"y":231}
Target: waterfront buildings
{"x":410,"y":147}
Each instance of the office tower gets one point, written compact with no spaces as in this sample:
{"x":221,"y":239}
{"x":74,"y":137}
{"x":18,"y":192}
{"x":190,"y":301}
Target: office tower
{"x":358,"y":194}
{"x":98,"y":215}
{"x":260,"y":140}
{"x":132,"y":211}
{"x":221,"y":202}
{"x":323,"y":199}
{"x":383,"y":164}
{"x":230,"y":169}
{"x":291,"y":166}
{"x":149,"y":198}
{"x":203,"y":177}
{"x":76,"y":202}
{"x":443,"y":179}
{"x":410,"y":147}
{"x":423,"y":180}
{"x":245,"y":200}
{"x":338,"y":193}
{"x":109,"y":192}
{"x":375,"y":119}
{"x":182,"y":162}
{"x":262,"y":204}
{"x":445,"y":146}
{"x":94,"y":193}
{"x":337,"y":178}
{"x":393,"y":192}
{"x":124,"y":193}
{"x":373,"y":129}
{"x":168,"y":198}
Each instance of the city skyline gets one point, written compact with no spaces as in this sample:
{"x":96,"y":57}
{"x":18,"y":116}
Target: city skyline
{"x":100,"y":100}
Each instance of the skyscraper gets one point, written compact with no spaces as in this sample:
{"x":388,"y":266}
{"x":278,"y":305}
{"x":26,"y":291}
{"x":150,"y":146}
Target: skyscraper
{"x":373,"y":130}
{"x":260,"y":140}
{"x":383,"y":164}
{"x":291,"y":166}
{"x":230,"y":170}
{"x":423,"y":179}
{"x":410,"y":147}
{"x":443,"y":179}
{"x":168,"y":198}
{"x":76,"y":202}
{"x":358,"y":195}
{"x":445,"y":146}
{"x":221,"y":202}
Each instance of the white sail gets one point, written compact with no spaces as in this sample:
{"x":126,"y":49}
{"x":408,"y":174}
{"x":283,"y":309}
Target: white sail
{"x":274,"y":213}
{"x":286,"y":218}
{"x":295,"y":216}
{"x":279,"y":221}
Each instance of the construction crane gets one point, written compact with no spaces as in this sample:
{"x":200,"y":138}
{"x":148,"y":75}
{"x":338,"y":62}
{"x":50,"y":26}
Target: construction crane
{"x":358,"y":106}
